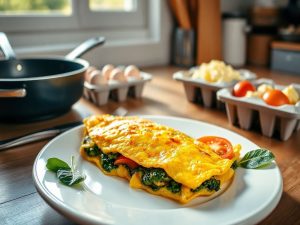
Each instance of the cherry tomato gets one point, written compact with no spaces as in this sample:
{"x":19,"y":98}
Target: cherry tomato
{"x":219,"y":145}
{"x":123,"y":160}
{"x":275,"y":98}
{"x":240,"y":89}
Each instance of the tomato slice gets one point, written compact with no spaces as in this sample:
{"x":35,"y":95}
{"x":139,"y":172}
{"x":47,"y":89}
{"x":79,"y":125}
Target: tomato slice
{"x":219,"y":145}
{"x":123,"y":160}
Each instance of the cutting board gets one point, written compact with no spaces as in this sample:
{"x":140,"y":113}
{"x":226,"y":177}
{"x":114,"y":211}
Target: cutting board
{"x":209,"y":32}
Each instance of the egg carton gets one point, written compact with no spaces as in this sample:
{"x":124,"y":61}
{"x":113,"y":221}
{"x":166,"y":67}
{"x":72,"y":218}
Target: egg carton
{"x":200,"y":91}
{"x":247,"y":112}
{"x":116,"y":90}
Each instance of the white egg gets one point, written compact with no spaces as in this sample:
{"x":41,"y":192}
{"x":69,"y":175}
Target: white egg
{"x":132,"y":71}
{"x":118,"y":74}
{"x":97,"y":78}
{"x":106,"y":71}
{"x":87,"y":73}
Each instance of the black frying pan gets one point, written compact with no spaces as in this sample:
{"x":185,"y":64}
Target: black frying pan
{"x":40,"y":88}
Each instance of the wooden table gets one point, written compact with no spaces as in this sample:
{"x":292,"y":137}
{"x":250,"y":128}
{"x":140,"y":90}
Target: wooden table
{"x":21,"y":204}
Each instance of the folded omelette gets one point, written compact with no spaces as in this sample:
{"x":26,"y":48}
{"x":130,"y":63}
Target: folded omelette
{"x":154,"y":157}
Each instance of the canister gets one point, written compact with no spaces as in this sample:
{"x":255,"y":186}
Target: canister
{"x":234,"y":38}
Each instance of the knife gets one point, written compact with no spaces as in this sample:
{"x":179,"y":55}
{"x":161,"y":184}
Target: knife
{"x":37,"y":136}
{"x":48,"y":133}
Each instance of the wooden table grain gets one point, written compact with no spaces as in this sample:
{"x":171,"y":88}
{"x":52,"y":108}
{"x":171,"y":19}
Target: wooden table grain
{"x":21,"y":204}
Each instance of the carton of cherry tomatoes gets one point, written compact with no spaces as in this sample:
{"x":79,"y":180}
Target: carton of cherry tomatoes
{"x":275,"y":107}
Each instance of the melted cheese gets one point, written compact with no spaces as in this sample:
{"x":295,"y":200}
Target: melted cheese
{"x":151,"y":145}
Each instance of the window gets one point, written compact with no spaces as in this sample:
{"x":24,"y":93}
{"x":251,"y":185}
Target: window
{"x":36,"y":15}
{"x":60,"y":7}
{"x":112,"y":5}
{"x":33,"y":7}
{"x":136,"y":28}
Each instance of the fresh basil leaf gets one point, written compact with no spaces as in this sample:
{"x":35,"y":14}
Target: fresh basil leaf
{"x":69,"y":178}
{"x":55,"y":164}
{"x":256,"y":159}
{"x":66,"y":174}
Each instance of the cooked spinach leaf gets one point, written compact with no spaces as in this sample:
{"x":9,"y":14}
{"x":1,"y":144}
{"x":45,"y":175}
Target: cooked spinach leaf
{"x":155,"y":177}
{"x":174,"y":187}
{"x":107,"y":161}
{"x":113,"y":156}
{"x":87,"y":140}
{"x":92,"y":151}
{"x":212,"y":185}
{"x":234,"y":165}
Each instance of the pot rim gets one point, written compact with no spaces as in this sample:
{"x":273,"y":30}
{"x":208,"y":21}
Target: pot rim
{"x":82,"y":62}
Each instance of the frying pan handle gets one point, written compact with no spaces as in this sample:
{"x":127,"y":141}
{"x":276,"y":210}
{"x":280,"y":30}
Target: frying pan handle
{"x":84,"y":47}
{"x":12,"y":93}
{"x":6,"y":47}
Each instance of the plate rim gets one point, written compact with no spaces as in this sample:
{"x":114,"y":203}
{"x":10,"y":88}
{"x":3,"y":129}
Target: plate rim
{"x":72,"y":214}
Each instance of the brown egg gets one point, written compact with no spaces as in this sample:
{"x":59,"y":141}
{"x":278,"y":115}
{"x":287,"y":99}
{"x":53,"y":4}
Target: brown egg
{"x":132,"y":71}
{"x":106,"y":71}
{"x":88,"y":73}
{"x":96,"y":78}
{"x":118,"y":75}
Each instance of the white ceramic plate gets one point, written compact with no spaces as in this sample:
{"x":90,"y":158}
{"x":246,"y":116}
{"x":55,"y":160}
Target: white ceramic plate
{"x":102,"y":199}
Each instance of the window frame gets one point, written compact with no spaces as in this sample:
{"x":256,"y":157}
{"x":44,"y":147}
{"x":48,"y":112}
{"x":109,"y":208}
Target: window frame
{"x":104,"y":19}
{"x":146,"y":46}
{"x":81,"y":18}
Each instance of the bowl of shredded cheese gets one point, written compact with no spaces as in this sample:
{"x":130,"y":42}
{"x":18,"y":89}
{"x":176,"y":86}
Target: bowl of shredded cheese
{"x":202,"y":82}
{"x":215,"y":71}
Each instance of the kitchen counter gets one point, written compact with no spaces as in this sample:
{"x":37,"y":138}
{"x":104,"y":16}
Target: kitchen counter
{"x":21,"y":204}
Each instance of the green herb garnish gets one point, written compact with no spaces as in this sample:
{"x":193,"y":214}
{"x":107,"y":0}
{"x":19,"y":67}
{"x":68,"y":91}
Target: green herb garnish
{"x":67,"y":175}
{"x":258,"y":158}
{"x":55,"y":164}
{"x":69,"y":178}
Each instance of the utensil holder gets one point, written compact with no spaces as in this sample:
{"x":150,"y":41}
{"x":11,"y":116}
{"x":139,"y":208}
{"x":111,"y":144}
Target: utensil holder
{"x":183,"y":47}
